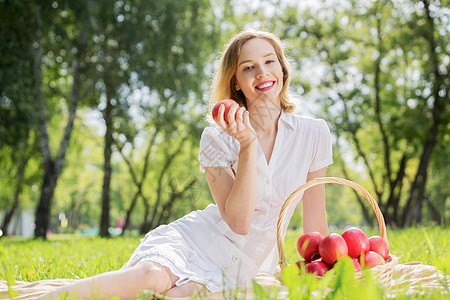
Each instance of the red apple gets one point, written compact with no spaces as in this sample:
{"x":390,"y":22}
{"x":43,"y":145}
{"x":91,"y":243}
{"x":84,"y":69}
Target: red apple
{"x":379,"y":245}
{"x":215,"y":111}
{"x":356,"y":264}
{"x":370,"y":259}
{"x":317,"y":267}
{"x":300,"y":264}
{"x":332,"y":248}
{"x":308,"y":245}
{"x":357,"y":241}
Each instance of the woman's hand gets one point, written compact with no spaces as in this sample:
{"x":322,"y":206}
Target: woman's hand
{"x":239,"y":126}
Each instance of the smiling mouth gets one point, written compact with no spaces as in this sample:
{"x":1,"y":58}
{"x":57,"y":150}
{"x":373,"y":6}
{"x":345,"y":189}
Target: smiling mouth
{"x":265,"y":85}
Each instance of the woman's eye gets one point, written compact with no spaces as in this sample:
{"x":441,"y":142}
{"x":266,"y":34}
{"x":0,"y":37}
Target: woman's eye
{"x":270,"y":61}
{"x":247,"y":68}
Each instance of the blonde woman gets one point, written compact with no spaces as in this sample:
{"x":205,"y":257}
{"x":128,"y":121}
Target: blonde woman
{"x":252,"y":164}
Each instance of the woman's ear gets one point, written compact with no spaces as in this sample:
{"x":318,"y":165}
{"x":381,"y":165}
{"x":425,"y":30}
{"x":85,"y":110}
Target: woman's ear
{"x":237,"y":87}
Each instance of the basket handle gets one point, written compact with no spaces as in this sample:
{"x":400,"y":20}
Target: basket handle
{"x":323,"y":180}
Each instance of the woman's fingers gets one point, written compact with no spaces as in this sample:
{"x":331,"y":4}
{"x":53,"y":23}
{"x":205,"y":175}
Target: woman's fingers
{"x":220,"y":117}
{"x":238,"y":125}
{"x":239,"y":116}
{"x":232,"y":115}
{"x":246,"y":120}
{"x":235,"y":120}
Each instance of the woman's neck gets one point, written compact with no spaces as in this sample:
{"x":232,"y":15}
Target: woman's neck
{"x":264,"y":116}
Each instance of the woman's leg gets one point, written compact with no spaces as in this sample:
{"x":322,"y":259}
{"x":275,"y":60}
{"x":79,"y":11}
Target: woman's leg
{"x":126,"y":284}
{"x":188,"y":289}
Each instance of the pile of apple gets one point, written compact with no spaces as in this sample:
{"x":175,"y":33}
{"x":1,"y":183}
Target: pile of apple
{"x":321,"y":253}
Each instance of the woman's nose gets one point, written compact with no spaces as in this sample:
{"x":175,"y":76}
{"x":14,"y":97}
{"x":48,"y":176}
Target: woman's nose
{"x":262,"y":72}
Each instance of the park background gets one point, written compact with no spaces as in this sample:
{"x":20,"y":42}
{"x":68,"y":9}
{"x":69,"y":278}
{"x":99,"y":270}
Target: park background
{"x":102,"y":104}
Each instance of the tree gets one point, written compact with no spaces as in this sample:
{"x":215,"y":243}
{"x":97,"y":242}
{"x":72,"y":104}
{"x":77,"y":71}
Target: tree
{"x":17,"y":118}
{"x":436,"y":75}
{"x":23,"y":157}
{"x":138,"y":181}
{"x":112,"y":51}
{"x":383,"y":93}
{"x":82,"y":53}
{"x":170,"y":59}
{"x":53,"y":166}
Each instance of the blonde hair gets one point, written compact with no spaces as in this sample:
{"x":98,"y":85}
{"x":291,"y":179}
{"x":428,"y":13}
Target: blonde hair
{"x":224,"y":82}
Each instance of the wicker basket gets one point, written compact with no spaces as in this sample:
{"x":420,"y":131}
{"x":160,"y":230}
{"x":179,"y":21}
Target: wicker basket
{"x":382,"y":272}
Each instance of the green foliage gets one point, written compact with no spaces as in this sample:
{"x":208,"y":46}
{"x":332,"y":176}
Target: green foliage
{"x":79,"y":187}
{"x":17,"y":110}
{"x":369,"y":66}
{"x":149,"y":59}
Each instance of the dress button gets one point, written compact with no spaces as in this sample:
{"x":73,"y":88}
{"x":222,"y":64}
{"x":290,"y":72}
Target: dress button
{"x":235,"y":259}
{"x":268,"y":181}
{"x":225,"y":269}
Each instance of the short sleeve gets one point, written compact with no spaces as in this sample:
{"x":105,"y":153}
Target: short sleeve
{"x":323,"y":155}
{"x":214,"y":151}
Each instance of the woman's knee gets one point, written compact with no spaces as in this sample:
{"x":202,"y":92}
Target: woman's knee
{"x":153,"y":276}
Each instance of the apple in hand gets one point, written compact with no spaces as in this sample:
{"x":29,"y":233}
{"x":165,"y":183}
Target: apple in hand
{"x":308,"y":245}
{"x":317,"y":267}
{"x":332,"y":248}
{"x":357,"y":241}
{"x":227,"y":103}
{"x":370,"y":259}
{"x":379,"y":245}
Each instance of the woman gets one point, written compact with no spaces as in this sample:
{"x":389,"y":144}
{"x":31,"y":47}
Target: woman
{"x":252,"y":164}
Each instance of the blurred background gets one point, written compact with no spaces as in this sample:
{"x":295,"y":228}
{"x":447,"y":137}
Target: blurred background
{"x":102,"y":104}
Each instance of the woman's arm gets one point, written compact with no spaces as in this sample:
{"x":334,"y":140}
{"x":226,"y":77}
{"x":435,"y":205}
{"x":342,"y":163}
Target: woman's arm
{"x":314,"y":211}
{"x":235,"y":195}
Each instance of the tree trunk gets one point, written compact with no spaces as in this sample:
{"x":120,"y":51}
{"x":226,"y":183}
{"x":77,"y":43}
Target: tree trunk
{"x":146,"y":223}
{"x":368,"y":216}
{"x":353,"y":134}
{"x":394,"y":195}
{"x":105,"y":216}
{"x":44,"y":206}
{"x":378,"y":113}
{"x":135,"y":180}
{"x":417,"y":192}
{"x":53,"y":167}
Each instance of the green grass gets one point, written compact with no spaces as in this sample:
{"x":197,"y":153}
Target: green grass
{"x":63,"y":256}
{"x":74,"y":256}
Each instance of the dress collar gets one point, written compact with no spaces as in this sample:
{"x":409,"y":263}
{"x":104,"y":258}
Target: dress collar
{"x":286,"y":118}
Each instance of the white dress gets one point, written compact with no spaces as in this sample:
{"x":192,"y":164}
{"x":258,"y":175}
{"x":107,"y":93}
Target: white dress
{"x":201,"y":247}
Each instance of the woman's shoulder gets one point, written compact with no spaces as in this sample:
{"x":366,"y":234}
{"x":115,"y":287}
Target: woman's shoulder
{"x":299,"y":121}
{"x":215,"y":133}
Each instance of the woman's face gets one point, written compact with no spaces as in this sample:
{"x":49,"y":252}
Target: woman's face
{"x":259,"y":74}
